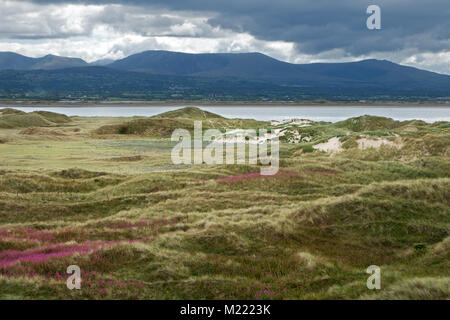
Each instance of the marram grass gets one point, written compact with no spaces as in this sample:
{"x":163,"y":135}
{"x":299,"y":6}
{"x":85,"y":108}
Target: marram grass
{"x":110,"y":201}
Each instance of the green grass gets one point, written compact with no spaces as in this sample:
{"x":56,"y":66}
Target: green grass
{"x":11,"y":118}
{"x":189,"y":113}
{"x":368,"y":123}
{"x":154,"y":230}
{"x":162,"y":126}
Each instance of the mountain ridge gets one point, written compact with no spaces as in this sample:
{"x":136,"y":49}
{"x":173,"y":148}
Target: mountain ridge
{"x":247,"y":76}
{"x":156,"y":61}
{"x":14,"y":61}
{"x":257,"y":66}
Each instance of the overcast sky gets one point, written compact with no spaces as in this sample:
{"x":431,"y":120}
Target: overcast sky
{"x":414,"y":32}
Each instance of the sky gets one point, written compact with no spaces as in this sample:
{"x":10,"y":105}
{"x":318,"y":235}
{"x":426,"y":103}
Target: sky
{"x":413,"y":32}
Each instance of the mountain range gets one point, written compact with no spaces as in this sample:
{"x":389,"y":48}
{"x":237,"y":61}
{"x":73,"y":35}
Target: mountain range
{"x":260,"y":66}
{"x":15,"y":61}
{"x":223,"y":76}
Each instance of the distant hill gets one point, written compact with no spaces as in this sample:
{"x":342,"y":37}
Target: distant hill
{"x":164,"y":75}
{"x":100,"y":83}
{"x":14,"y":61}
{"x":55,"y":62}
{"x":101,"y":62}
{"x":256,"y":66}
{"x":248,"y":65}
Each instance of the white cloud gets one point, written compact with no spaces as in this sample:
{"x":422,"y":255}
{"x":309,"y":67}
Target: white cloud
{"x":439,"y":61}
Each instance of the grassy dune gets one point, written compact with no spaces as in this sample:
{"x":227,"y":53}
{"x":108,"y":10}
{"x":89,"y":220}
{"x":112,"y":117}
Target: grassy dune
{"x":110,"y":200}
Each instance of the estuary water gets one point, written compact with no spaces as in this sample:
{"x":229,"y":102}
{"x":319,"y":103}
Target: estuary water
{"x":265,"y":113}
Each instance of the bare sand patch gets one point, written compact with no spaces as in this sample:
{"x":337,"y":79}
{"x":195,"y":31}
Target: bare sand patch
{"x":332,"y":146}
{"x":365,"y":143}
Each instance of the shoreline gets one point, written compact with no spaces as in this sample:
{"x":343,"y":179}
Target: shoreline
{"x":73,"y":104}
{"x":429,"y":114}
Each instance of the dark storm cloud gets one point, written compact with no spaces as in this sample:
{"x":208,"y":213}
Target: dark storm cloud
{"x":321,"y":25}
